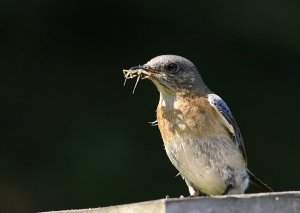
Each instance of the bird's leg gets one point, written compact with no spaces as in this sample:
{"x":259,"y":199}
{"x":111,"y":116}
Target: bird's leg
{"x":193,"y":192}
{"x":229,"y":187}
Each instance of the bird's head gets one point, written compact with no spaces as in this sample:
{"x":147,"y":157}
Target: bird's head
{"x":172,"y":73}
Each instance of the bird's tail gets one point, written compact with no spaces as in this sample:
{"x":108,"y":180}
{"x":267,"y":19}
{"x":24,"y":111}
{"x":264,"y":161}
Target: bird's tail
{"x":259,"y":183}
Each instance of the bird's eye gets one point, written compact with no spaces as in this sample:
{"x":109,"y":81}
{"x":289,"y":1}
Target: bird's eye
{"x":172,"y":68}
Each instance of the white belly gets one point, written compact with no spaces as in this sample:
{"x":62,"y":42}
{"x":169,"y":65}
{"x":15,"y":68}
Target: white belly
{"x":209,"y":164}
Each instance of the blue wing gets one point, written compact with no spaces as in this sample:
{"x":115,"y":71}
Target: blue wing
{"x":232,"y":126}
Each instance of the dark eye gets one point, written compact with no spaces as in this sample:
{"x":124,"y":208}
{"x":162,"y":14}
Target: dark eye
{"x":172,"y":68}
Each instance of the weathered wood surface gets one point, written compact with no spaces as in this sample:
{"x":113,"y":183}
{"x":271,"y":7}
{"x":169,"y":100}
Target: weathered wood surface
{"x":277,"y":202}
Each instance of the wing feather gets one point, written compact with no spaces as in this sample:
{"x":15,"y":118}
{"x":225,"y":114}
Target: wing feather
{"x":218,"y":103}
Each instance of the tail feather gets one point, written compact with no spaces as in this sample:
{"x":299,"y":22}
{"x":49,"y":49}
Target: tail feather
{"x":259,"y":183}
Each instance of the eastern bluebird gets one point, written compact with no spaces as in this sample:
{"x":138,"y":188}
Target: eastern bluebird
{"x":200,"y":134}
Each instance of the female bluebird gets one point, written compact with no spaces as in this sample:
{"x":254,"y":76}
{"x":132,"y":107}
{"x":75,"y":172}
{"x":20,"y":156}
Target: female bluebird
{"x":200,"y":134}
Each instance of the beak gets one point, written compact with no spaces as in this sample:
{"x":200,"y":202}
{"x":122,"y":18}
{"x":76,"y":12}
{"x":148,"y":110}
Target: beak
{"x":146,"y":68}
{"x":140,"y":67}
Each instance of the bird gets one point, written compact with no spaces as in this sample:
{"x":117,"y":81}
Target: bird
{"x":200,"y":135}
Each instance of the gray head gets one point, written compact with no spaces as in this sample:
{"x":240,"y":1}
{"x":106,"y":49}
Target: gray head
{"x":172,"y":73}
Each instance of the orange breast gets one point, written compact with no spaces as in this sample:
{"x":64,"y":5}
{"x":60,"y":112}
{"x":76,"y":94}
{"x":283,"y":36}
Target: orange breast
{"x":189,"y":116}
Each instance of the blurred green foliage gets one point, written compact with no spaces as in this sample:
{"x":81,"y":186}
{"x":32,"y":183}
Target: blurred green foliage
{"x":72,"y":136}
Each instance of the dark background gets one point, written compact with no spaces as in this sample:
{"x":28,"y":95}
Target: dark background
{"x":72,"y":136}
